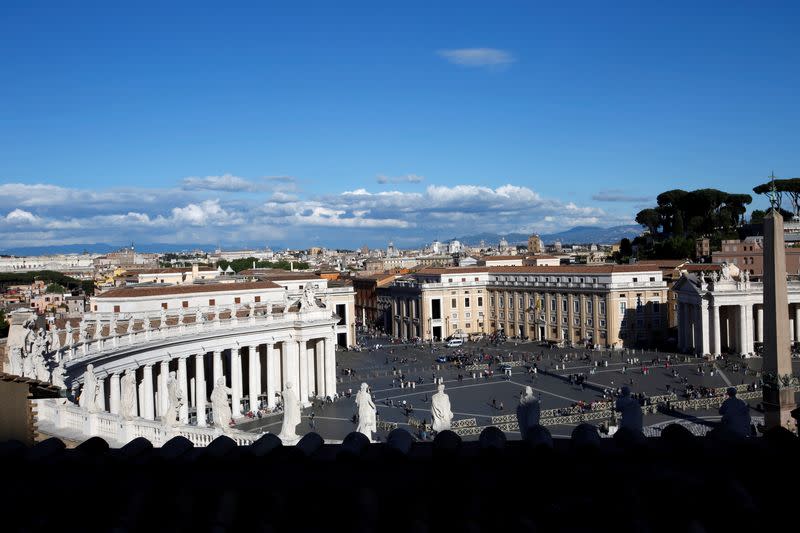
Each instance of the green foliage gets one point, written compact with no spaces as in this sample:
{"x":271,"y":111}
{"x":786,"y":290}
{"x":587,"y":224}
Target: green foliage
{"x":789,"y":187}
{"x":682,"y":216}
{"x":4,"y":325}
{"x":48,"y":276}
{"x":757,"y":216}
{"x":56,"y":287}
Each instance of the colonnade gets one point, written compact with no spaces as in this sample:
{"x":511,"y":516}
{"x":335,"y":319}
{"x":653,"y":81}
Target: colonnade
{"x":254,"y":373}
{"x":710,"y":328}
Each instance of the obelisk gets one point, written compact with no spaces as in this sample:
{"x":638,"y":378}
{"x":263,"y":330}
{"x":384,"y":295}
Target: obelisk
{"x":778,"y":401}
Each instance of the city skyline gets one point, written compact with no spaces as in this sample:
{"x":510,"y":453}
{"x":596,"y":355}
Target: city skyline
{"x":312,"y":126}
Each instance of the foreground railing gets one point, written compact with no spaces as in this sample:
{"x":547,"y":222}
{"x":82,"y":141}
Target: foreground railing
{"x":70,"y":421}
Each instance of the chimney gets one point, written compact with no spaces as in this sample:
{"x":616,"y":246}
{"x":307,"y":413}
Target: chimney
{"x":195,"y":271}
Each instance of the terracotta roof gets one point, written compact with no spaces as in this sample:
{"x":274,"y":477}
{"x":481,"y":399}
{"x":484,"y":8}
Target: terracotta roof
{"x":38,"y":389}
{"x":138,"y":292}
{"x":278,"y":274}
{"x":455,"y":270}
{"x":134,"y":272}
{"x":501,"y":257}
{"x":568,"y":269}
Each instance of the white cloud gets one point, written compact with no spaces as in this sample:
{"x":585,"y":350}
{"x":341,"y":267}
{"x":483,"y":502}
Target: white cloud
{"x":408,"y":178}
{"x":226,"y":182}
{"x":478,"y":57}
{"x":20,"y":217}
{"x":206,"y":213}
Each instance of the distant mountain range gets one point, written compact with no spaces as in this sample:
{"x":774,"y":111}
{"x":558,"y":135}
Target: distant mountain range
{"x":102,"y":248}
{"x":576,"y":235}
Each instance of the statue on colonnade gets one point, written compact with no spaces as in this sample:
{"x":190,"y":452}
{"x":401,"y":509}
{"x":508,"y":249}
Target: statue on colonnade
{"x":220,"y":408}
{"x":367,"y":412}
{"x":89,"y":394}
{"x":291,"y":414}
{"x":441,"y":415}
{"x":174,"y":401}
{"x":128,"y":396}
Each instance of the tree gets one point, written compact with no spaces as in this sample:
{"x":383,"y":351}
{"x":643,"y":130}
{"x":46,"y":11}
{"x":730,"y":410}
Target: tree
{"x":3,"y":325}
{"x":649,"y":218}
{"x":677,"y":225}
{"x":55,"y":288}
{"x":757,"y":216}
{"x":625,"y":248}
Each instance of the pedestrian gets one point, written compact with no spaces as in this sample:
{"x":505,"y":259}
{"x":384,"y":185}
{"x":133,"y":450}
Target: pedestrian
{"x":311,"y":420}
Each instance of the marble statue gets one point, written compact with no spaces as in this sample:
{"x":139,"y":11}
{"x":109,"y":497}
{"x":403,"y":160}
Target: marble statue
{"x":745,"y":276}
{"x":98,"y":330}
{"x":735,"y":414}
{"x":701,"y":277}
{"x":112,"y":326}
{"x":162,"y":319}
{"x":15,"y":358}
{"x":441,"y":415}
{"x":40,"y":368}
{"x":286,"y":303}
{"x":128,"y":396}
{"x":180,"y":316}
{"x":146,"y":325}
{"x":367,"y":418}
{"x":291,"y":414}
{"x":309,"y":302}
{"x":174,"y":401}
{"x":251,"y":312}
{"x":199,"y":317}
{"x":129,"y":329}
{"x":725,"y":273}
{"x":216,"y":313}
{"x":69,"y":340}
{"x":55,"y":343}
{"x":38,"y":364}
{"x":82,"y":333}
{"x":528,"y":412}
{"x":269,"y":309}
{"x":27,"y":365}
{"x":30,"y":336}
{"x":631,"y":411}
{"x":220,"y":408}
{"x":90,"y":391}
{"x":57,"y":377}
{"x":714,"y":277}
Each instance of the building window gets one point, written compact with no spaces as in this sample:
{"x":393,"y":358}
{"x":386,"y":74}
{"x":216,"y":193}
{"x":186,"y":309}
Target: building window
{"x":467,"y":325}
{"x":553,"y":304}
{"x":212,"y":302}
{"x":652,"y":279}
{"x":476,"y":279}
{"x":588,"y":307}
{"x":163,"y":306}
{"x":463,"y":280}
{"x":623,"y":307}
{"x":602,"y":322}
{"x":450,"y":280}
{"x":563,"y":320}
{"x":576,"y":306}
{"x":466,"y":302}
{"x":500,"y":301}
{"x":635,"y":280}
{"x":258,"y":299}
{"x":521,"y":302}
{"x":656,"y":307}
{"x":563,"y":305}
{"x":185,"y":303}
{"x":453,"y":303}
{"x":491,"y":301}
{"x":480,"y":301}
{"x":602,"y":308}
{"x":589,"y":322}
{"x":576,"y":321}
{"x":237,"y":300}
{"x":116,"y":309}
{"x":502,"y":316}
{"x":468,"y":315}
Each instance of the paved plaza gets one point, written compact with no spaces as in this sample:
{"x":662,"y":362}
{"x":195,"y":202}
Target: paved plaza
{"x":482,"y":398}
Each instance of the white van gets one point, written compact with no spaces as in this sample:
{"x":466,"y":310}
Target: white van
{"x":454,"y":343}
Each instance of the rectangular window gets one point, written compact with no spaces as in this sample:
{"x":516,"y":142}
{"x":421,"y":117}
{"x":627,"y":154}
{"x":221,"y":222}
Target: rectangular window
{"x":602,"y":322}
{"x":163,"y":306}
{"x":185,"y":303}
{"x":463,"y":280}
{"x":656,"y":307}
{"x":652,"y":279}
{"x":521,"y":301}
{"x":341,"y":311}
{"x":553,"y":304}
{"x":480,"y":301}
{"x":564,"y":305}
{"x":589,"y":322}
{"x":635,"y":280}
{"x":576,"y":306}
{"x":588,"y":307}
{"x":500,"y":301}
{"x":258,"y":299}
{"x":212,"y":302}
{"x":576,"y":321}
{"x":502,"y":315}
{"x":602,"y":307}
{"x":466,"y":302}
{"x":453,"y":303}
{"x":476,"y":279}
{"x":623,"y":307}
{"x":467,"y":325}
{"x":436,"y":309}
{"x":116,"y":309}
{"x":237,"y":300}
{"x":467,"y":315}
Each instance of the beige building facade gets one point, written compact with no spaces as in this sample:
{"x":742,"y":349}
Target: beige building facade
{"x":609,"y":305}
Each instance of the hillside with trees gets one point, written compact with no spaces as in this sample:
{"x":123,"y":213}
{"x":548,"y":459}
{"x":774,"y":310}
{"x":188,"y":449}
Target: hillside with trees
{"x":681,"y":216}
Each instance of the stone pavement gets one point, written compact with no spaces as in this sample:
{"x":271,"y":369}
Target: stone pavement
{"x":474,"y":398}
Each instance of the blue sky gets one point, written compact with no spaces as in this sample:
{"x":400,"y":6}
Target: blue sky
{"x":340,"y":123}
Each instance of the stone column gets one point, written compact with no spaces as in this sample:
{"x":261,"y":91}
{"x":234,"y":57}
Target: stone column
{"x":312,"y":383}
{"x":101,"y":393}
{"x":200,"y":388}
{"x":748,"y":337}
{"x":163,"y":396}
{"x":792,"y":326}
{"x":302,"y":356}
{"x":715,"y":325}
{"x":760,"y":325}
{"x":330,"y":366}
{"x":705,"y":332}
{"x":149,"y":403}
{"x":236,"y":371}
{"x":742,"y":329}
{"x":681,"y":327}
{"x":183,"y":413}
{"x":797,"y":322}
{"x":778,"y":402}
{"x":254,"y":381}
{"x":216,"y":367}
{"x":115,"y":394}
{"x":273,"y":374}
{"x":319,"y":355}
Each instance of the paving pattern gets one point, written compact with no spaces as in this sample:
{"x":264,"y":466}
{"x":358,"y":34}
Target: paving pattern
{"x":482,"y":398}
